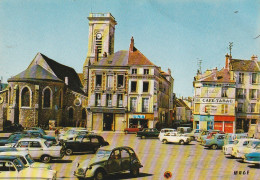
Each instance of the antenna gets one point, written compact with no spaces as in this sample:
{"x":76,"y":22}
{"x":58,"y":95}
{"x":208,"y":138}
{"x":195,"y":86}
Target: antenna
{"x":199,"y":64}
{"x":230,"y":47}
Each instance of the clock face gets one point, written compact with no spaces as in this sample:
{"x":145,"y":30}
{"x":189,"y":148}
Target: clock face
{"x":98,"y":35}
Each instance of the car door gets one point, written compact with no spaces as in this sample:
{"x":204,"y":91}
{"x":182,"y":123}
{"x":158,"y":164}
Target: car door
{"x":8,"y":170}
{"x":22,"y":146}
{"x":86,"y":144}
{"x":125,"y":160}
{"x":114,"y":162}
{"x":35,"y":149}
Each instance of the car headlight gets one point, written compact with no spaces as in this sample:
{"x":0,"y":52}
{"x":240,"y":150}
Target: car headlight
{"x":81,"y":171}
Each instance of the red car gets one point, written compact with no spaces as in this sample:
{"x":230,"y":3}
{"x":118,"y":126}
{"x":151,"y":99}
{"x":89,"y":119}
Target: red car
{"x":214,"y":132}
{"x":132,"y":129}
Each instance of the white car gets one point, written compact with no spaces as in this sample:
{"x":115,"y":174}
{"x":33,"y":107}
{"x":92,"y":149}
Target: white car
{"x":39,"y":148}
{"x":70,"y":134}
{"x":194,"y":134}
{"x":165,"y":130}
{"x":174,"y":137}
{"x":26,"y":159}
{"x":12,"y":167}
{"x":227,"y":149}
{"x":240,"y":151}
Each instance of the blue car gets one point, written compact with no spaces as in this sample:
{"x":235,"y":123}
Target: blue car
{"x":13,"y":138}
{"x":216,"y":141}
{"x":252,"y":158}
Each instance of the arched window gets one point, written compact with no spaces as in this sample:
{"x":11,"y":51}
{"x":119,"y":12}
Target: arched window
{"x":83,"y":114}
{"x":25,"y":97}
{"x":47,"y":98}
{"x":71,"y":114}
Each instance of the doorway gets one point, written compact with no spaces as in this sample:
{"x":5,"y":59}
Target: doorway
{"x":108,"y":122}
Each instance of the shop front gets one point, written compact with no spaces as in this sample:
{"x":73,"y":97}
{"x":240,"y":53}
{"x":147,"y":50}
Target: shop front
{"x":205,"y":122}
{"x":141,"y":120}
{"x":225,"y":123}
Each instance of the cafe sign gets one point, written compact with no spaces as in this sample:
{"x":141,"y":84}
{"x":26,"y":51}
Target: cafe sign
{"x":215,"y":100}
{"x":138,"y":116}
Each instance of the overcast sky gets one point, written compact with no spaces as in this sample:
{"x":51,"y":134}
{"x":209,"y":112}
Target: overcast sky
{"x":172,"y":34}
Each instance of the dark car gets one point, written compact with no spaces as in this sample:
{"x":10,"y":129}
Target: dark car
{"x":84,"y":143}
{"x":109,"y":160}
{"x":148,"y":132}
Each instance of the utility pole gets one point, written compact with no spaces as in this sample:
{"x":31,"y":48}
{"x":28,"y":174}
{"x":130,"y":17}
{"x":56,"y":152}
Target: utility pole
{"x":230,"y":48}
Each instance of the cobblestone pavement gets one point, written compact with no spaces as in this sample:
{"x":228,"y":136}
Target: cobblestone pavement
{"x":183,"y":161}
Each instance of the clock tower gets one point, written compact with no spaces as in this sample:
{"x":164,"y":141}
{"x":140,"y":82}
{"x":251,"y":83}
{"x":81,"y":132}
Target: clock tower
{"x":100,"y":38}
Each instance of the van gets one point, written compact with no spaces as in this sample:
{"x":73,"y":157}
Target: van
{"x":183,"y":130}
{"x":165,"y":130}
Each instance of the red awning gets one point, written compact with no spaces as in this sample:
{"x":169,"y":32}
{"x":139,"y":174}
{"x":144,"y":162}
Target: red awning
{"x":224,"y":118}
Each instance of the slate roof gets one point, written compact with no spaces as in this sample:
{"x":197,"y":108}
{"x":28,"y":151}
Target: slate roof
{"x":221,"y":76}
{"x":244,"y":65}
{"x":120,"y":58}
{"x":36,"y":72}
{"x":44,"y":68}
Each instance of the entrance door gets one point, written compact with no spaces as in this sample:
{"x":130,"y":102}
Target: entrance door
{"x":108,"y":121}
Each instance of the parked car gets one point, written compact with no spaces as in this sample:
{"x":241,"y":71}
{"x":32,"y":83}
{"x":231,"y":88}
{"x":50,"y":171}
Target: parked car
{"x":108,"y":161}
{"x":40,"y":149}
{"x":85,"y":143}
{"x":148,"y":132}
{"x":227,"y":149}
{"x":37,"y":129}
{"x":38,"y":133}
{"x":13,"y":138}
{"x":165,"y":130}
{"x":26,"y":159}
{"x":210,"y":134}
{"x":174,"y":137}
{"x":194,"y":134}
{"x":13,"y":168}
{"x":252,"y":158}
{"x":202,"y":133}
{"x":132,"y":129}
{"x":252,"y":130}
{"x":70,"y":134}
{"x":216,"y":141}
{"x":183,"y":130}
{"x":231,"y":137}
{"x":239,"y":152}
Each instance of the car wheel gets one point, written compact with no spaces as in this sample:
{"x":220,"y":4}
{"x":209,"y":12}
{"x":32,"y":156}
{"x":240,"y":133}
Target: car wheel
{"x":134,"y":172}
{"x":46,"y":158}
{"x":142,"y":137}
{"x":99,"y":175}
{"x":181,"y":142}
{"x":214,"y":146}
{"x":68,"y":152}
{"x":164,"y":141}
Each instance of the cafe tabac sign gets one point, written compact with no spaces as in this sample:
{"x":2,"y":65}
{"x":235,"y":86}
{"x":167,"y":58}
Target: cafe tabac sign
{"x":215,"y":100}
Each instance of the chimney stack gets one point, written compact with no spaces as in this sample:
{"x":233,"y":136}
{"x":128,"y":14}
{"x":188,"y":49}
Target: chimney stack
{"x":227,"y":62}
{"x":254,"y":57}
{"x":131,"y":49}
{"x":96,"y":54}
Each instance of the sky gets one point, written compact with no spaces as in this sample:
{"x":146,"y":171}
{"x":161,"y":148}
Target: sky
{"x":172,"y":34}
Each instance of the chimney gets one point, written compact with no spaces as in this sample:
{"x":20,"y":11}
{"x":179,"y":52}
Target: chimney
{"x":131,"y":49}
{"x":96,"y":54}
{"x":66,"y":80}
{"x":169,"y":71}
{"x":254,"y":57}
{"x":227,"y":62}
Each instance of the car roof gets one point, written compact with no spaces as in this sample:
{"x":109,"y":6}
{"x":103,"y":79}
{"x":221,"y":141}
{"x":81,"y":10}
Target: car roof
{"x":32,"y":138}
{"x":5,"y":157}
{"x":110,"y":148}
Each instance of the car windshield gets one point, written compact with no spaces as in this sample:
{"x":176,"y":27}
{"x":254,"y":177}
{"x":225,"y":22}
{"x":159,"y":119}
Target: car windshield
{"x":19,"y":165}
{"x":29,"y":158}
{"x":103,"y":152}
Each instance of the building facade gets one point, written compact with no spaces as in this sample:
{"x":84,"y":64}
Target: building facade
{"x":45,"y":91}
{"x":124,"y":87}
{"x":228,"y":99}
{"x":214,"y":101}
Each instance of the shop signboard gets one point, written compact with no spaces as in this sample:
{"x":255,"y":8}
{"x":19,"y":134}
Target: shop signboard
{"x":139,"y":116}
